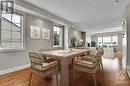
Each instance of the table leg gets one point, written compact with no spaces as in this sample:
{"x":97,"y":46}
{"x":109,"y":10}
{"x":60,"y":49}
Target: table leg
{"x":64,"y":72}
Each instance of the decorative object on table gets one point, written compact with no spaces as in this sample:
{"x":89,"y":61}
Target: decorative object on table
{"x":34,"y":32}
{"x":45,"y":33}
{"x":65,"y":51}
{"x":73,"y":40}
{"x":76,"y":44}
{"x":80,"y":42}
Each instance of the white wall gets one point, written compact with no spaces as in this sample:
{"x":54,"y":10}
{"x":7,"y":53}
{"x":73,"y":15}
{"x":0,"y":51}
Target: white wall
{"x":127,"y":17}
{"x":124,"y":43}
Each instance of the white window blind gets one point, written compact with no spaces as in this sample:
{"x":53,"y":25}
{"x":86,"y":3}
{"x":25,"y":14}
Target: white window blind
{"x":11,"y":30}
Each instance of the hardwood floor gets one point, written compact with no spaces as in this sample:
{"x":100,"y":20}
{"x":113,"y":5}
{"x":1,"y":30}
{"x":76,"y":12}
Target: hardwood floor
{"x":113,"y":76}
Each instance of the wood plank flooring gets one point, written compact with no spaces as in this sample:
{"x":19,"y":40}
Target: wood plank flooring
{"x":113,"y":76}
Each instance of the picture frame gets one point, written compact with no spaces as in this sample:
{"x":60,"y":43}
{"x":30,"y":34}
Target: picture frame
{"x":34,"y":32}
{"x":45,"y":33}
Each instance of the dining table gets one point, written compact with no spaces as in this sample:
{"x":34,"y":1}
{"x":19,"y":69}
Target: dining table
{"x":64,"y":56}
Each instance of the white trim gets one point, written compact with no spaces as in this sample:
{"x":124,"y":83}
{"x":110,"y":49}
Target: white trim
{"x":13,"y":69}
{"x":11,"y":50}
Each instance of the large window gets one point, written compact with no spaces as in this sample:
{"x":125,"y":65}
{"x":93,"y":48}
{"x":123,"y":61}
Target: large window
{"x":57,"y":36}
{"x":11,"y":31}
{"x":108,"y":41}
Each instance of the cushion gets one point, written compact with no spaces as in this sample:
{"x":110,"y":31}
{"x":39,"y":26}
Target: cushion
{"x":84,"y":63}
{"x":46,"y":66}
{"x":88,"y":58}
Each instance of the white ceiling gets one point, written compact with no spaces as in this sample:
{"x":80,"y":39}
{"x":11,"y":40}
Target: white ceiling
{"x":90,"y":15}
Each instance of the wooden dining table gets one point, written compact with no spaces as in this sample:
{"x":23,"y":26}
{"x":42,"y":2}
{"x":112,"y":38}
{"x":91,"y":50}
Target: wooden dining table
{"x":64,"y":56}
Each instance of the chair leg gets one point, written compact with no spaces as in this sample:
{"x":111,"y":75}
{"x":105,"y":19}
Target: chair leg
{"x":77,"y":58}
{"x":30,"y":79}
{"x":99,"y":68}
{"x":78,"y":78}
{"x":102,"y":66}
{"x":94,"y":77}
{"x":72,"y":60}
{"x":73,"y":76}
{"x":57,"y":78}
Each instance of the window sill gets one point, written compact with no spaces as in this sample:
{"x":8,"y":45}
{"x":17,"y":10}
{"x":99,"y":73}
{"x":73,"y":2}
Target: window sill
{"x":11,"y":50}
{"x":57,"y":47}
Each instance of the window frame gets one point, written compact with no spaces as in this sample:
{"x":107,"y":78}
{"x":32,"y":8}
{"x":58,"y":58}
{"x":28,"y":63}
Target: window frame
{"x":58,"y":46}
{"x":22,"y":34}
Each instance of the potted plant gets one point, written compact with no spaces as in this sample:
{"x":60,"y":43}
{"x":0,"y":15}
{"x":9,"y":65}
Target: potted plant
{"x":93,"y":44}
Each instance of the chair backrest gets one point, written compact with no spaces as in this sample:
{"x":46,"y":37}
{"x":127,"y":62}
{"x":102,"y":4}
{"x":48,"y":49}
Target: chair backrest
{"x":93,"y":52}
{"x":35,"y":59}
{"x":42,"y":50}
{"x":101,"y":49}
{"x":98,"y":56}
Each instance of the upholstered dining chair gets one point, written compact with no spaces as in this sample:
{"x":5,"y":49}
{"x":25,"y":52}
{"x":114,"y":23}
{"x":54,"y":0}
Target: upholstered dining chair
{"x":42,"y":67}
{"x":92,"y":55}
{"x":88,"y":66}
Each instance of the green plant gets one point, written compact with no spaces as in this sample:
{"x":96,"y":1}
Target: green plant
{"x":93,"y":44}
{"x":56,"y":39}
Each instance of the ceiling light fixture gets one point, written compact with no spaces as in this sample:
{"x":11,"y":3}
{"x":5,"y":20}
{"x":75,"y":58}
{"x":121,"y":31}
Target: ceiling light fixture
{"x":116,"y":1}
{"x":123,"y":21}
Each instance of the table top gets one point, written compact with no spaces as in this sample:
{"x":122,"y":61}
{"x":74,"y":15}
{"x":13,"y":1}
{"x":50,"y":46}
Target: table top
{"x":64,"y":53}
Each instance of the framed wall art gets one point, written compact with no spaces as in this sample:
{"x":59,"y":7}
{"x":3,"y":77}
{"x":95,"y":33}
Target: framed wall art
{"x":34,"y":32}
{"x":45,"y":33}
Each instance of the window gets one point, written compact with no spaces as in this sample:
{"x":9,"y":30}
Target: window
{"x":99,"y":40}
{"x":107,"y":40}
{"x":57,"y":36}
{"x":11,"y":31}
{"x":114,"y":40}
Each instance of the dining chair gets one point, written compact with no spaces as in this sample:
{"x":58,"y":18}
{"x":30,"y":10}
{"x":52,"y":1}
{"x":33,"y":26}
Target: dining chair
{"x":42,"y":67}
{"x":88,"y":66}
{"x":92,"y":55}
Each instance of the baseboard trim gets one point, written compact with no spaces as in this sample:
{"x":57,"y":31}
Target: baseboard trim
{"x":6,"y":71}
